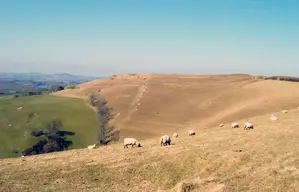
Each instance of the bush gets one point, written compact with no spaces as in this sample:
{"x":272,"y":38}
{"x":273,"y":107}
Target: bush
{"x":51,"y":146}
{"x":54,"y":139}
{"x":37,"y":133}
{"x":70,"y":87}
{"x":283,"y":78}
{"x":31,"y":115}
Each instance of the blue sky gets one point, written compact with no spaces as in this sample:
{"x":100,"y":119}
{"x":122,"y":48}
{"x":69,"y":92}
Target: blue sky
{"x":107,"y":37}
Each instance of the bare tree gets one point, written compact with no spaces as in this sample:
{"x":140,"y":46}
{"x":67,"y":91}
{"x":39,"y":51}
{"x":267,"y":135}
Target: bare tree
{"x":106,"y":133}
{"x":92,"y":99}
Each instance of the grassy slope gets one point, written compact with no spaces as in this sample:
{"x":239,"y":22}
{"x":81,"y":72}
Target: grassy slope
{"x":167,"y":103}
{"x":268,"y":161}
{"x":74,"y":113}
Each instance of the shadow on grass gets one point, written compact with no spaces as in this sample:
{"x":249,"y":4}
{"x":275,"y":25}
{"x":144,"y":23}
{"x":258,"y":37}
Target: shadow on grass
{"x":65,"y":133}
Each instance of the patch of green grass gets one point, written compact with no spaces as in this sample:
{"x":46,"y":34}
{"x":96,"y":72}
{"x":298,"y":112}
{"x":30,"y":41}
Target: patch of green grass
{"x":17,"y":124}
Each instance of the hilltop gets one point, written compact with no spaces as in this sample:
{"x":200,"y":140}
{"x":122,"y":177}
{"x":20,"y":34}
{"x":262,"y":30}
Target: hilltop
{"x":149,"y":105}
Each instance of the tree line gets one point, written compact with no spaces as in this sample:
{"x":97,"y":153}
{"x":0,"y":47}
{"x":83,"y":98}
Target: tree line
{"x":106,"y":132}
{"x":39,"y":92}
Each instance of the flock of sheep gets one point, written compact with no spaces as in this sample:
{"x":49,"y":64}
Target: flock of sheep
{"x":166,"y":140}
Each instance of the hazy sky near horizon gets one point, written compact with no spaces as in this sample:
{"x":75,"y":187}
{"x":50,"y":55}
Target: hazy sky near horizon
{"x":150,"y":36}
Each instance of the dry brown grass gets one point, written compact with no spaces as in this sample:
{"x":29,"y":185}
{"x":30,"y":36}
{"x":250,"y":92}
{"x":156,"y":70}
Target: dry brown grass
{"x":176,"y":102}
{"x":218,"y":159}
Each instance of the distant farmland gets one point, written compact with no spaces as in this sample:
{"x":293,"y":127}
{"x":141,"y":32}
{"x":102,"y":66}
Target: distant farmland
{"x":10,"y":87}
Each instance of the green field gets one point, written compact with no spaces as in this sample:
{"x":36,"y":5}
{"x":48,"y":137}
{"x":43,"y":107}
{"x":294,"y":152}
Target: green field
{"x":16,"y":125}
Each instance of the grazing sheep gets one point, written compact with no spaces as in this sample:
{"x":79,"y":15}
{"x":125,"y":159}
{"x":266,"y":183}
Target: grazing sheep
{"x":273,"y":117}
{"x":235,"y":125}
{"x":131,"y":141}
{"x":92,"y":146}
{"x":221,"y":125}
{"x":175,"y":135}
{"x":164,"y":140}
{"x":191,"y":132}
{"x":248,"y":126}
{"x":285,"y":111}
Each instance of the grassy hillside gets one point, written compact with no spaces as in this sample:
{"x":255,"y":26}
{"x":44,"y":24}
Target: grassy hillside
{"x":215,"y":160}
{"x":151,"y":105}
{"x":17,"y":125}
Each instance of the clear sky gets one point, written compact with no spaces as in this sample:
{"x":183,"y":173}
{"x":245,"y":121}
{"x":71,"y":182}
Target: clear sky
{"x":104,"y":37}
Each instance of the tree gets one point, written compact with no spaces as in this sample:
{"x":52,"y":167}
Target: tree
{"x":92,"y":99}
{"x":53,"y":139}
{"x":59,"y":88}
{"x":106,"y":133}
{"x":52,"y":129}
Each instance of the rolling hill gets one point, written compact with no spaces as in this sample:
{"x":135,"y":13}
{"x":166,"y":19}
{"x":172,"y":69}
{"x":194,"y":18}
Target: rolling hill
{"x":214,"y":160}
{"x":151,"y":105}
{"x":17,"y":124}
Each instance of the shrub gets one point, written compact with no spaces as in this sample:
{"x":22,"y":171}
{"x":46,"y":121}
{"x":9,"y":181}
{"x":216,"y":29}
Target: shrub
{"x":54,"y":139}
{"x":70,"y":87}
{"x":283,"y":78}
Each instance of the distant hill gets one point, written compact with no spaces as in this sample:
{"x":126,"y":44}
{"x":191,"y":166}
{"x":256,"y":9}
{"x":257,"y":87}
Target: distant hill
{"x":11,"y":83}
{"x":46,"y":77}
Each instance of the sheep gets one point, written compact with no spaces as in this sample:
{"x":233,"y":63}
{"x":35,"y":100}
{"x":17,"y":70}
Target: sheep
{"x":285,"y":111}
{"x":248,"y":126}
{"x":131,"y":141}
{"x":164,"y":140}
{"x":235,"y":125}
{"x":92,"y":146}
{"x":175,"y":135}
{"x":273,"y":117}
{"x":221,"y":125}
{"x":191,"y":132}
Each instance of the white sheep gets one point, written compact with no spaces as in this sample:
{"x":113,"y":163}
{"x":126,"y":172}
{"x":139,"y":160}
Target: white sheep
{"x":92,"y":146}
{"x":273,"y":117}
{"x":131,"y":141}
{"x":221,"y":125}
{"x":175,"y":135}
{"x":164,"y":140}
{"x":191,"y":132}
{"x":235,"y":125}
{"x":248,"y":126}
{"x":285,"y":111}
